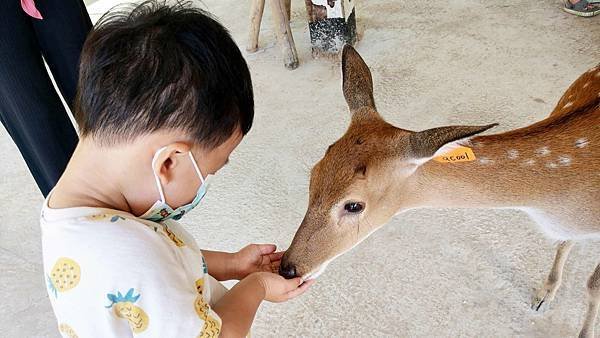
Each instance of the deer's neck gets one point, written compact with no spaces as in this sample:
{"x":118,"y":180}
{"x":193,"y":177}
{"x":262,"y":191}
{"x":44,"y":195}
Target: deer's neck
{"x":505,"y":174}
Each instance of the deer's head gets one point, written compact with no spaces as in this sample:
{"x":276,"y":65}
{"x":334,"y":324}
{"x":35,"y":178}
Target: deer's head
{"x":357,"y":186}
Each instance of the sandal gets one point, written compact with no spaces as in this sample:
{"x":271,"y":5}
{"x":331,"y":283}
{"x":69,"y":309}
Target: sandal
{"x":583,"y":8}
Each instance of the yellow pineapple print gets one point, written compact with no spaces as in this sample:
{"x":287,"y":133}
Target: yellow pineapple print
{"x":103,"y":217}
{"x":174,"y":238}
{"x":124,"y":308}
{"x":212,"y":326}
{"x":67,"y":331}
{"x":64,"y":276}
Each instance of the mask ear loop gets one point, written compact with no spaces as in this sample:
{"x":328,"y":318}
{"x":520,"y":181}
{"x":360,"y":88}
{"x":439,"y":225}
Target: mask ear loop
{"x":160,"y":189}
{"x":196,"y":167}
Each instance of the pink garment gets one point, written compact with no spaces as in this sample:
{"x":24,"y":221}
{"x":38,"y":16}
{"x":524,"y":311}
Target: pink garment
{"x":29,"y":8}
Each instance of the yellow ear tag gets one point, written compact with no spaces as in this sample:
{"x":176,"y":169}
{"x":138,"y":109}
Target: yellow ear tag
{"x":460,"y":154}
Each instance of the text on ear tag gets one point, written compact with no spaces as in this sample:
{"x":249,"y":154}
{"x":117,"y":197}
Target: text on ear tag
{"x":460,"y":154}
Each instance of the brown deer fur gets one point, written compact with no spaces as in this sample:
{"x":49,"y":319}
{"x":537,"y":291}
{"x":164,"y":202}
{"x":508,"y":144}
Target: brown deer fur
{"x":550,"y":170}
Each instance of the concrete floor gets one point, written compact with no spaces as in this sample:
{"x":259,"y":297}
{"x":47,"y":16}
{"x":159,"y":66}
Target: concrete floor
{"x":429,"y":273}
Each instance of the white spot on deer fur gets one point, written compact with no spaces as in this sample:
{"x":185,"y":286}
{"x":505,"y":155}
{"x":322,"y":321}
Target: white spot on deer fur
{"x":586,"y":84}
{"x":551,"y":165}
{"x":582,"y":142}
{"x":569,"y":104}
{"x":485,"y":160}
{"x":564,"y":160}
{"x":513,"y":154}
{"x":529,"y":162}
{"x":543,"y":151}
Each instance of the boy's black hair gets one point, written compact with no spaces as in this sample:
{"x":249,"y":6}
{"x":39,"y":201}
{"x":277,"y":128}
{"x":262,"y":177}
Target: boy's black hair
{"x":158,"y":67}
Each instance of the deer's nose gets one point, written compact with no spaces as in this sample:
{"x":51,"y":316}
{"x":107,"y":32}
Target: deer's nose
{"x":287,"y":271}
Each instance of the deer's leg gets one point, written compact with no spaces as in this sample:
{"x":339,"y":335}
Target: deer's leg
{"x":284,"y":34}
{"x":256,"y":12}
{"x":288,"y":8}
{"x":593,"y":289}
{"x":547,"y":292}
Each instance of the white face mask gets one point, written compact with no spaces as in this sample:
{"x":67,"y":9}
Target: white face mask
{"x":160,"y":210}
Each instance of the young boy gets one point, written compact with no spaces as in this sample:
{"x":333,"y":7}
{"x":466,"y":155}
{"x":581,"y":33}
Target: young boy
{"x":164,"y":97}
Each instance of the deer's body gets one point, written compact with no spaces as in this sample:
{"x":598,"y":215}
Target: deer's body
{"x":550,"y":170}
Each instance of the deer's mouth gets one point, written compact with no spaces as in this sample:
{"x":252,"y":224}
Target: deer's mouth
{"x":314,"y":274}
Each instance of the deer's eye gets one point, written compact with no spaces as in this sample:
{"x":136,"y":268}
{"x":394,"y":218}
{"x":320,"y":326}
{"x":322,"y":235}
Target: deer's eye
{"x":354,"y":207}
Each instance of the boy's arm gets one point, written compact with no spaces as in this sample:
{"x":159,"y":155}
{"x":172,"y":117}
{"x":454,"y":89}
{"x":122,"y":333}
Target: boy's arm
{"x":220,"y":264}
{"x":238,"y":307}
{"x":252,"y":258}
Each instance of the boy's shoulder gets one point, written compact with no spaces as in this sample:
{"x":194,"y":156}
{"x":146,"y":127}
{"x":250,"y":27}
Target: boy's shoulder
{"x":102,"y":232}
{"x":83,"y":221}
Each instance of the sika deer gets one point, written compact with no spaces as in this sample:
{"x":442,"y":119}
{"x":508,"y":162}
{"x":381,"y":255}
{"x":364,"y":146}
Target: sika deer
{"x":550,"y":170}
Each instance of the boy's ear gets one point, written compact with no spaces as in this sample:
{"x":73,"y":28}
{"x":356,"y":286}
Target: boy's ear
{"x":168,"y":159}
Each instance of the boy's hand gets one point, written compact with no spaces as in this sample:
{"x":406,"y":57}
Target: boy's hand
{"x":238,"y":306}
{"x":256,"y":258}
{"x":278,"y":289}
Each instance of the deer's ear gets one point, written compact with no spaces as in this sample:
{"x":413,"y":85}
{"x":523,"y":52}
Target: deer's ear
{"x":425,"y":144}
{"x":357,"y":81}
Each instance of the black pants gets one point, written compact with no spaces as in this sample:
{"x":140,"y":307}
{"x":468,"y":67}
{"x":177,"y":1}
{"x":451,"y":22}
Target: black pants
{"x":30,"y":108}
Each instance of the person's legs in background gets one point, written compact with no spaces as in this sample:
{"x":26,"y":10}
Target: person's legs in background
{"x":30,"y":108}
{"x":61,"y":35}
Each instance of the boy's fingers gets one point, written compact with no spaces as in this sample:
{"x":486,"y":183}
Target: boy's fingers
{"x":276,"y":256}
{"x":292,"y":284}
{"x":275,"y":266}
{"x":309,"y":283}
{"x":266,"y":249}
{"x":270,"y":259}
{"x":301,"y":289}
